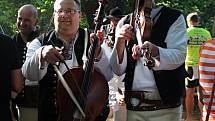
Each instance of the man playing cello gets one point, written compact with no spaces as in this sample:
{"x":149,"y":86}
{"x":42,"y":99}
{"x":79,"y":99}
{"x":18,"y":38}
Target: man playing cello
{"x":66,"y":45}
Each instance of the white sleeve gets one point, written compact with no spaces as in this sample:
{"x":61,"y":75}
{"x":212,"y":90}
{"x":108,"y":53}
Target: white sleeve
{"x":103,"y":66}
{"x":175,"y":54}
{"x":118,"y":69}
{"x":31,"y":69}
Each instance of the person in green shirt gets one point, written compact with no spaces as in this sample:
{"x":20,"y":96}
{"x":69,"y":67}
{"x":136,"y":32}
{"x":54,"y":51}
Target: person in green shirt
{"x":196,"y":37}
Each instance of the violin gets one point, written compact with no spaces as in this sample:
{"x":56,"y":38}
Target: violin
{"x":89,"y":87}
{"x":142,"y":23}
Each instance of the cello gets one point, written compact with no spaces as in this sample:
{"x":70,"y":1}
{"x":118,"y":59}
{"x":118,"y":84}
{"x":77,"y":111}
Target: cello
{"x":88,"y":86}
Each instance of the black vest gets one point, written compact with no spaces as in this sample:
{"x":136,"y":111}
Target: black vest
{"x":170,"y":83}
{"x":25,"y":98}
{"x":21,"y":45}
{"x":47,"y":86}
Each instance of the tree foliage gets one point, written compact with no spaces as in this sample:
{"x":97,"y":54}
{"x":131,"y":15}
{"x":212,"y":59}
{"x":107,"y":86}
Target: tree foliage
{"x":8,"y":11}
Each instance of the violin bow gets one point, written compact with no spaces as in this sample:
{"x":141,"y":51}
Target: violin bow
{"x":69,"y":91}
{"x":143,"y":34}
{"x":64,"y":83}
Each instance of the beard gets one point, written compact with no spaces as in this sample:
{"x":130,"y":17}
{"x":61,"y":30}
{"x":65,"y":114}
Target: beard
{"x":26,"y":31}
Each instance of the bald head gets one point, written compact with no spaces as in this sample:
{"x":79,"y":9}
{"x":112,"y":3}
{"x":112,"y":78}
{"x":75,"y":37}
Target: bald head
{"x":27,"y":19}
{"x":29,"y":8}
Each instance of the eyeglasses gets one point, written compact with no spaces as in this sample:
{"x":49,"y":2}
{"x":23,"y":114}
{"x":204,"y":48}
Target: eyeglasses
{"x":68,"y":11}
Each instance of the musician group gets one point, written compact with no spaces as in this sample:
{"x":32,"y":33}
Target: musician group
{"x":65,"y":71}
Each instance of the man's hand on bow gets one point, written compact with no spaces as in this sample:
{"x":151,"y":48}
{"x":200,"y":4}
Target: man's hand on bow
{"x":51,"y":54}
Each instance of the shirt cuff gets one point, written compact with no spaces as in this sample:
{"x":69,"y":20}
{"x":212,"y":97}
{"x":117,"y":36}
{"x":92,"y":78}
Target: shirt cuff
{"x":42,"y":64}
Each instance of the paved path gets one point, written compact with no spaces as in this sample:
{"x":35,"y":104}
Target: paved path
{"x":196,"y":116}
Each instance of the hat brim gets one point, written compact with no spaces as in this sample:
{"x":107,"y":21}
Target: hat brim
{"x":114,"y":17}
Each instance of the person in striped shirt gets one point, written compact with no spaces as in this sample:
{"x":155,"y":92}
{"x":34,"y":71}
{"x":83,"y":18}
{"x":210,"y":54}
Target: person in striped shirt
{"x":207,"y":77}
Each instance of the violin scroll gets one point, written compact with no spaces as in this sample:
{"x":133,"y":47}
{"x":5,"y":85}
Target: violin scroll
{"x":149,"y":61}
{"x":98,"y":20}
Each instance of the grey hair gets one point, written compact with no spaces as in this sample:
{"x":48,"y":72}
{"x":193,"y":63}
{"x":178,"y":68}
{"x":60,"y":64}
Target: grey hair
{"x":31,"y":7}
{"x":77,"y":3}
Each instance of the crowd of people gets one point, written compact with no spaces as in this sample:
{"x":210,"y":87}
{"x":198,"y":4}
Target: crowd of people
{"x":122,"y":69}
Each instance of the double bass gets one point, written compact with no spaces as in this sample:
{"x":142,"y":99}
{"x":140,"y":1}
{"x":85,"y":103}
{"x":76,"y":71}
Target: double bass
{"x":89,"y":87}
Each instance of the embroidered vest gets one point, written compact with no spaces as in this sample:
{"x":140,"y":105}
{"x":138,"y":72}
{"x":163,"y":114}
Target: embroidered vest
{"x":47,"y":86}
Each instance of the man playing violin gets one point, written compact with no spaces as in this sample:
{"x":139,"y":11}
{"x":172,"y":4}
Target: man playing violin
{"x":153,"y":65}
{"x":66,"y":45}
{"x":116,"y":86}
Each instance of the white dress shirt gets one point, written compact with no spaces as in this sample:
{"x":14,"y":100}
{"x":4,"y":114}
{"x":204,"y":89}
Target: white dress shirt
{"x":32,"y":70}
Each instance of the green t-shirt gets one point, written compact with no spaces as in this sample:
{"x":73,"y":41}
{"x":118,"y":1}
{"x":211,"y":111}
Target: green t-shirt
{"x":197,"y":36}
